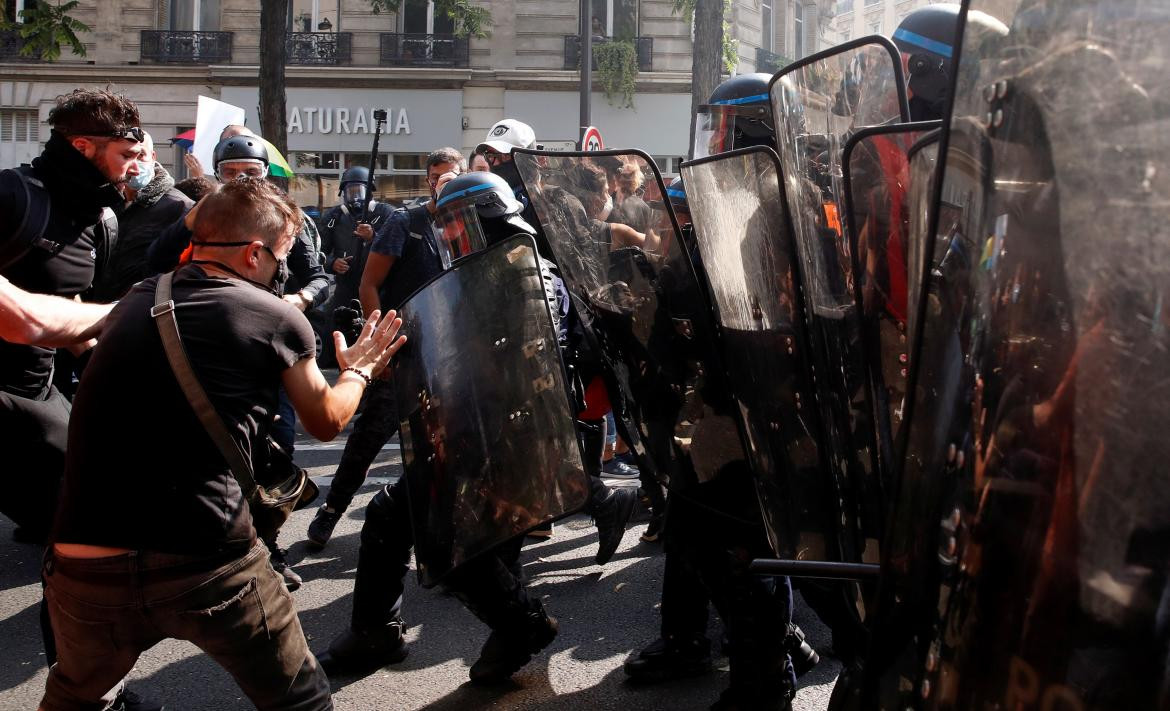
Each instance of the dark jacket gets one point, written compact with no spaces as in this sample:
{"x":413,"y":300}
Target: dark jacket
{"x":338,"y":241}
{"x":156,"y":207}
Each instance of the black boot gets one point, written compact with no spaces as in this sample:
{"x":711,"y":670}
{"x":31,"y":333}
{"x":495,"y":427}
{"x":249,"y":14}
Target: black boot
{"x":506,"y":650}
{"x":611,"y":517}
{"x":363,"y":651}
{"x":671,"y":658}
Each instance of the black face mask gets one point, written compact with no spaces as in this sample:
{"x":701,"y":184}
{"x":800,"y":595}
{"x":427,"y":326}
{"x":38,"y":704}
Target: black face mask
{"x":509,"y":172}
{"x":275,"y":286}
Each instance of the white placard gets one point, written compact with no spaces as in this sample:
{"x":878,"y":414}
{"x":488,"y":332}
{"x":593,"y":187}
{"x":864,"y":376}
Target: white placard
{"x":210,"y":119}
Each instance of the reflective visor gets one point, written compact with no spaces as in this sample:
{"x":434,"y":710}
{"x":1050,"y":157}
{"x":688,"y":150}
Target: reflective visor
{"x":462,"y":232}
{"x":355,"y":192}
{"x":716,"y":126}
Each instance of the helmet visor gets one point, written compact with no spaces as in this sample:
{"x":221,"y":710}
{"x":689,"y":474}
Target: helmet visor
{"x":355,"y":193}
{"x":718,"y":125}
{"x":461,"y":233}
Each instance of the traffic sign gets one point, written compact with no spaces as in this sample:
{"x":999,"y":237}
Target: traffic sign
{"x":591,"y":141}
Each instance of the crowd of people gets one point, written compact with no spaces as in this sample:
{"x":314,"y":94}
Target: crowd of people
{"x":100,"y":245}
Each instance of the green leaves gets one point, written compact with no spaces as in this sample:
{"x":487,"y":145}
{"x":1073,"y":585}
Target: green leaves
{"x":729,"y":46}
{"x":45,"y":28}
{"x":470,"y":20}
{"x":617,"y":68}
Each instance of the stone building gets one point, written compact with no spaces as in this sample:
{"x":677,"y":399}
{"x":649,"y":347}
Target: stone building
{"x":345,"y":60}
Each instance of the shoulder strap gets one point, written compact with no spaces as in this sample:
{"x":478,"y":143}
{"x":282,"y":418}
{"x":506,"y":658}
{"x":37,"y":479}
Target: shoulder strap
{"x":34,"y":219}
{"x":163,"y":313}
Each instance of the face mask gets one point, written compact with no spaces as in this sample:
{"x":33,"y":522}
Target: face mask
{"x":279,"y":277}
{"x":275,"y":284}
{"x":145,"y":175}
{"x":509,"y":172}
{"x":606,"y":208}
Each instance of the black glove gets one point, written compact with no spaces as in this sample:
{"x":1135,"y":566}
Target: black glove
{"x":349,"y":320}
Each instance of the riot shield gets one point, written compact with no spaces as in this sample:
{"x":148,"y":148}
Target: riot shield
{"x":750,"y":264}
{"x":818,"y":103}
{"x":628,"y":270}
{"x":877,"y":198}
{"x":1028,"y":564}
{"x":488,"y":442}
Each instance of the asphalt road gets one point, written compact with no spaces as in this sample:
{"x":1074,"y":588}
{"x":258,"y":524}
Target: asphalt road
{"x":605,"y":612}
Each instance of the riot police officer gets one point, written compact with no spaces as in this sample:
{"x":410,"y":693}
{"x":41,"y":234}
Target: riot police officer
{"x":347,"y":230}
{"x":476,"y":210}
{"x":926,"y":38}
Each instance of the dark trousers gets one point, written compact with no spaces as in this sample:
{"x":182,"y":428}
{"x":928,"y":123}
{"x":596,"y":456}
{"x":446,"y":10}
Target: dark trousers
{"x":372,"y":430}
{"x":107,"y":611}
{"x":35,"y":434}
{"x":712,"y":533}
{"x":491,"y":586}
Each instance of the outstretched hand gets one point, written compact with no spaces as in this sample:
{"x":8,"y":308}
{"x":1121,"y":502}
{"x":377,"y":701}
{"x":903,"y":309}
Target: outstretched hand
{"x":375,"y":345}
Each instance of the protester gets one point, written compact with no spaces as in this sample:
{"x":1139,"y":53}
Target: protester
{"x":177,"y":541}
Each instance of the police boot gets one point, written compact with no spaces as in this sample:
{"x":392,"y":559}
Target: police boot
{"x":506,"y":650}
{"x":362,"y":651}
{"x":670,"y":658}
{"x":611,"y":516}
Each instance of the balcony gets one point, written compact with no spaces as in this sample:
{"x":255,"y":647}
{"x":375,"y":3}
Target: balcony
{"x":323,"y":48}
{"x":184,"y":47}
{"x":770,"y":62}
{"x":643,"y":45}
{"x":10,"y":45}
{"x":423,"y":50}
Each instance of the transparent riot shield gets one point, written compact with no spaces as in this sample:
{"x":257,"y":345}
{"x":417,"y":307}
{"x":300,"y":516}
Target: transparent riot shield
{"x":1029,"y":563}
{"x":488,"y":442}
{"x":749,"y":260}
{"x":818,"y":103}
{"x":877,"y":176}
{"x":622,"y":259}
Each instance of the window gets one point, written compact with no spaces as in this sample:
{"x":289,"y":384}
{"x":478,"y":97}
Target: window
{"x":19,"y":126}
{"x":798,"y":30}
{"x":766,"y":28}
{"x":615,"y":18}
{"x":400,"y":176}
{"x":875,"y":28}
{"x":844,"y":6}
{"x":419,"y":17}
{"x":869,"y":3}
{"x":193,"y":15}
{"x":363,"y":160}
{"x":846,"y":35}
{"x":314,"y":16}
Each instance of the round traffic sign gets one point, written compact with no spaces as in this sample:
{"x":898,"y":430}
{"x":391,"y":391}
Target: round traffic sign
{"x":591,"y":141}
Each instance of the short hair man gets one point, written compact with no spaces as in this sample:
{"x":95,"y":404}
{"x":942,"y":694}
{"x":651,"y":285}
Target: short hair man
{"x":402,"y":258}
{"x":63,"y":201}
{"x":143,"y":529}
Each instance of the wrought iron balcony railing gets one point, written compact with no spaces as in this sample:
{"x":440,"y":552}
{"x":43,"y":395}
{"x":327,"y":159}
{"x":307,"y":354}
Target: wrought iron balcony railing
{"x":644,"y":46}
{"x":423,"y":50}
{"x":770,"y":62}
{"x":10,"y":45}
{"x":185,"y":47}
{"x":319,"y":47}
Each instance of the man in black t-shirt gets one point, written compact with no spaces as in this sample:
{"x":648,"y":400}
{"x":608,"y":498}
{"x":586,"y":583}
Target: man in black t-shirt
{"x":156,"y":540}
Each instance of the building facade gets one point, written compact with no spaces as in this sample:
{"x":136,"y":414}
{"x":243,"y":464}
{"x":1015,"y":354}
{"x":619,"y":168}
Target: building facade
{"x":344,"y":60}
{"x":857,"y":18}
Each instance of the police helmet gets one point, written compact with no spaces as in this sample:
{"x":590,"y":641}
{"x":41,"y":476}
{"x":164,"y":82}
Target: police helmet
{"x":737,"y":115}
{"x":240,"y":149}
{"x":355,"y":186}
{"x":676,"y":193}
{"x":927,"y":38}
{"x":475,"y":211}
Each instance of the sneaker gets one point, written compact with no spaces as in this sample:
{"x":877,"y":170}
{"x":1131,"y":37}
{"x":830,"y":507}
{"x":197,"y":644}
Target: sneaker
{"x":321,"y":528}
{"x":129,"y":701}
{"x":611,"y":522}
{"x":503,"y":654}
{"x":363,"y":651}
{"x":670,"y":659}
{"x":292,"y":581}
{"x":617,"y":469}
{"x":654,"y":530}
{"x":545,"y":532}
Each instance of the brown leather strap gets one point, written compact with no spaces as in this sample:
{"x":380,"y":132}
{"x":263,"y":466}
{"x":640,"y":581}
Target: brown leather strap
{"x":168,"y":328}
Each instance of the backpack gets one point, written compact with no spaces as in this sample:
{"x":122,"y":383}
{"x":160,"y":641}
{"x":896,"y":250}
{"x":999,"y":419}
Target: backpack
{"x":34,"y":205}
